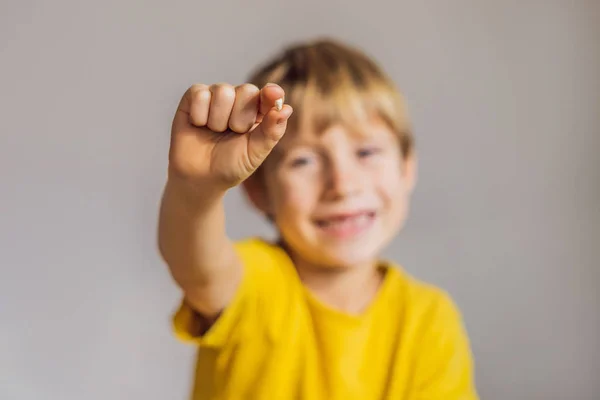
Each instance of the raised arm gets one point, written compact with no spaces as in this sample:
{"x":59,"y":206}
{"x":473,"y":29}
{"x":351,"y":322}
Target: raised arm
{"x":220,"y":135}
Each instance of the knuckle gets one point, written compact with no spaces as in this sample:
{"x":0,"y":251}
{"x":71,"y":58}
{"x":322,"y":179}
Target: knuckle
{"x":201,"y":97}
{"x":198,"y":93}
{"x":247,"y":89}
{"x":196,"y":88}
{"x":223,"y":90}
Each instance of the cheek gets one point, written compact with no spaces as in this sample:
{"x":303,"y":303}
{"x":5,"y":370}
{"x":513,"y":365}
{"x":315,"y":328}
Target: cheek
{"x":391,"y":187}
{"x":294,"y":196}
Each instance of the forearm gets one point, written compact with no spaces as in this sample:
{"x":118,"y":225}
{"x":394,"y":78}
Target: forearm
{"x":192,"y":238}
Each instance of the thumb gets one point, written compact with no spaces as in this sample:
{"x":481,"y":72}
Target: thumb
{"x":267,"y":134}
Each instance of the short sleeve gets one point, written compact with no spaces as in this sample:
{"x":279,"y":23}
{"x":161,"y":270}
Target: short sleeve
{"x":186,"y":320}
{"x":258,"y":301}
{"x":445,"y":363}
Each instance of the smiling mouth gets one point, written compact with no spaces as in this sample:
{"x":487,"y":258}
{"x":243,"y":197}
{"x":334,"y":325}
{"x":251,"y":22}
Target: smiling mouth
{"x":346,"y":225}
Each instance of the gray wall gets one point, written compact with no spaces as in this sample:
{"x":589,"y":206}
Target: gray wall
{"x":505,"y":97}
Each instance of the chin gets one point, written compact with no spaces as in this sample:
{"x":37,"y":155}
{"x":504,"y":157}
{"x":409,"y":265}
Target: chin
{"x":353,"y":251}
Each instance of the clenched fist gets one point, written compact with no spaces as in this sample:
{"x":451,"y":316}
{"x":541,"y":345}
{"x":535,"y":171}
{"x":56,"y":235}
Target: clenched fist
{"x":221,"y":134}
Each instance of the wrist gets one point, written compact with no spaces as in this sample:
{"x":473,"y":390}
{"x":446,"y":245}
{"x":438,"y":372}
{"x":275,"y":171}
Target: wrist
{"x":196,"y":195}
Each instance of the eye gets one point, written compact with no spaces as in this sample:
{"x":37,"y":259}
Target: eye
{"x":300,"y":161}
{"x":367,"y":152}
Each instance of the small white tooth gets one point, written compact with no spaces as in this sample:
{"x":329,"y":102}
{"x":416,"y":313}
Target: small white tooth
{"x":278,"y":104}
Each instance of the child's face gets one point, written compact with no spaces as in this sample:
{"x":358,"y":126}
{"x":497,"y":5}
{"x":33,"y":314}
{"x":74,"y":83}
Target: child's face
{"x":339,"y":197}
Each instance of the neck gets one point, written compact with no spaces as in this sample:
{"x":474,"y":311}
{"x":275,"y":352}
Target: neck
{"x":348,"y":289}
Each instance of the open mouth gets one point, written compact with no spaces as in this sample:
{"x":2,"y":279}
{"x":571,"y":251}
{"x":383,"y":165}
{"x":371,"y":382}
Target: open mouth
{"x":344,"y":225}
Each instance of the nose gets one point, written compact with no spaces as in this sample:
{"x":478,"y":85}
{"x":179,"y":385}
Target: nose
{"x":343,"y":180}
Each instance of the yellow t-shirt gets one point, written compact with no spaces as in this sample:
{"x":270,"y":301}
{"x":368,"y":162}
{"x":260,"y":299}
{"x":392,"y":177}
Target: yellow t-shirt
{"x":276,"y":341}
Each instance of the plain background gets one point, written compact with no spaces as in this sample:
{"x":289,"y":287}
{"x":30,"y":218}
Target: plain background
{"x":505,"y":98}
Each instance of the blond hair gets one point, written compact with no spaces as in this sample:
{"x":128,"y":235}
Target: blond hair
{"x":327,"y":82}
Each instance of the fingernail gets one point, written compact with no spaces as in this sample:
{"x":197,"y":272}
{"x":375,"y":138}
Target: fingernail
{"x":278,"y":104}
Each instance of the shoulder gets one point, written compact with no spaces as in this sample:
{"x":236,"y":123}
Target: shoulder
{"x":266,"y":264}
{"x":259,"y":254}
{"x":256,"y":249}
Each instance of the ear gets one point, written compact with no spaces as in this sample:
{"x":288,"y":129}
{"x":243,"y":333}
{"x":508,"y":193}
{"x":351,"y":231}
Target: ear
{"x":409,"y":171}
{"x":256,"y":191}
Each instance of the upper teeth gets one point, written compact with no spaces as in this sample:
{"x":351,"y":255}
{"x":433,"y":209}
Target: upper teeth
{"x":353,"y":219}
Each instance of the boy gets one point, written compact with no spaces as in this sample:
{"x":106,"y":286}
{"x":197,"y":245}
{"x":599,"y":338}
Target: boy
{"x":317,"y":315}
